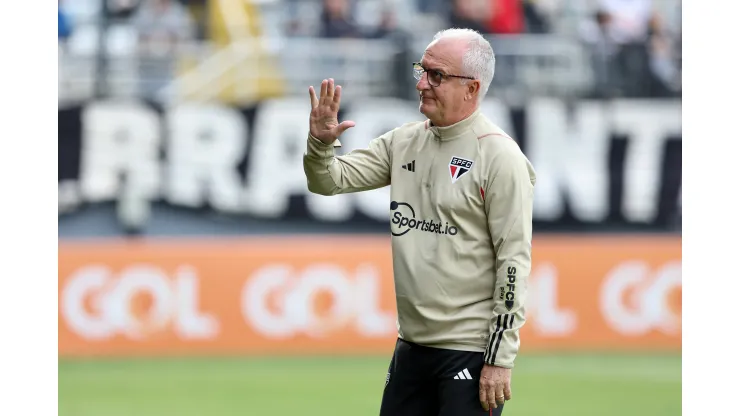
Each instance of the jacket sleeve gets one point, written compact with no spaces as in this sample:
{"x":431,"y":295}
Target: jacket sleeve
{"x":508,"y":204}
{"x":359,"y":170}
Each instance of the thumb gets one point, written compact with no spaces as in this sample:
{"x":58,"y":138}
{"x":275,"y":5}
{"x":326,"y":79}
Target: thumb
{"x":344,"y":126}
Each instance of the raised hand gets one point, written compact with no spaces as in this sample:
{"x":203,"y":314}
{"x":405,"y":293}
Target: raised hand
{"x":323,"y":123}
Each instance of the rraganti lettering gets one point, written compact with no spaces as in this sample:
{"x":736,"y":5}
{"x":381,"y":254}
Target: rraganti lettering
{"x":247,"y":162}
{"x":406,"y":221}
{"x":562,"y":145}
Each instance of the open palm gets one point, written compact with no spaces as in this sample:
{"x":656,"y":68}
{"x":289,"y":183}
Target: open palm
{"x":323,"y":123}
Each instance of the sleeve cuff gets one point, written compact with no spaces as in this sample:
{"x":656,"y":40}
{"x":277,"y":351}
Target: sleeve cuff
{"x":319,"y":143}
{"x":502,"y":365}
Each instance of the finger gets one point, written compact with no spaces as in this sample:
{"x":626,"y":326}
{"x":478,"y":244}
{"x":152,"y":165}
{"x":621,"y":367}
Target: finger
{"x":343,"y":126}
{"x":338,"y":96}
{"x":330,"y":90}
{"x":491,"y":397}
{"x":323,"y":90}
{"x":499,"y":394}
{"x":312,"y":95}
{"x":507,"y":391}
{"x":483,"y":397}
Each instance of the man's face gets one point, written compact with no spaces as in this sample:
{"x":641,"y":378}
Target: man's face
{"x":444,"y":104}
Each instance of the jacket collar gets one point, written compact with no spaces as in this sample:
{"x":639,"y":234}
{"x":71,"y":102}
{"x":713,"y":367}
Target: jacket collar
{"x":455,"y":130}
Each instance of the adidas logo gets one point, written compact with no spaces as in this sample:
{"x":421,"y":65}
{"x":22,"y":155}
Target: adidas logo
{"x":463,"y":375}
{"x":411,"y":167}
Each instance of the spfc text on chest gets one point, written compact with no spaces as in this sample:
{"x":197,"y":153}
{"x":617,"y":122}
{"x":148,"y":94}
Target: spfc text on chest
{"x":459,"y":167}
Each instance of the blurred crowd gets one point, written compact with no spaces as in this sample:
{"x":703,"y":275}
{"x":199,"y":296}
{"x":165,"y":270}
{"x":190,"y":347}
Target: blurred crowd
{"x":158,"y":23}
{"x":634,"y":46}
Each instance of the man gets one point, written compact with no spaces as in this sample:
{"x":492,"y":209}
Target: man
{"x":461,"y":225}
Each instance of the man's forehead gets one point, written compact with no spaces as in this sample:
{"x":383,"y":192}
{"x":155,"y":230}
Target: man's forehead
{"x":443,"y":54}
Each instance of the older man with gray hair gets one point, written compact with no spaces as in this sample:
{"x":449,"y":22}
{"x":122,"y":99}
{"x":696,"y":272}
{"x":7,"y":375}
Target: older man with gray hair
{"x":461,"y":226}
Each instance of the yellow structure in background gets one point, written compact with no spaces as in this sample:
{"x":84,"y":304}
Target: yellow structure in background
{"x":239,"y":70}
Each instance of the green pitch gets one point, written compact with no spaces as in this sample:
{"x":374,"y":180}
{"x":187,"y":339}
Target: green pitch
{"x":572,"y":385}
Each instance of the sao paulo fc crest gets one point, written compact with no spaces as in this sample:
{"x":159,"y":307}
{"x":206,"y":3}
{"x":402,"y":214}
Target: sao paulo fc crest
{"x":459,"y":167}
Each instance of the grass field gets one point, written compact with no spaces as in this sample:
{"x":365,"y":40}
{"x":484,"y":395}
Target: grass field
{"x":587,"y":385}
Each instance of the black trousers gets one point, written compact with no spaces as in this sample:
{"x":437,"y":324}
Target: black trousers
{"x":424,"y":381}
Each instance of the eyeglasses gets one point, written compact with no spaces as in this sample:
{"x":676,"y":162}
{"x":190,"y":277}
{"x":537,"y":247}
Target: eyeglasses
{"x":434,"y":76}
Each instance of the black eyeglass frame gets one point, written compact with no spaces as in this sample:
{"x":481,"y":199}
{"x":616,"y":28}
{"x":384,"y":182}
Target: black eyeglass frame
{"x":419,"y":70}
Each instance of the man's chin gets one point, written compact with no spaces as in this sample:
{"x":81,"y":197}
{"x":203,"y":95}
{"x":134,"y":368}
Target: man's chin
{"x":426,"y":108}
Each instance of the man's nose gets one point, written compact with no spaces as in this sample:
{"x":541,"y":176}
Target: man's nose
{"x":423,"y":83}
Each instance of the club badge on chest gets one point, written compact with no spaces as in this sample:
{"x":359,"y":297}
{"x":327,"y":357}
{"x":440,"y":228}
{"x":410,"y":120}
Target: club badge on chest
{"x":459,"y":167}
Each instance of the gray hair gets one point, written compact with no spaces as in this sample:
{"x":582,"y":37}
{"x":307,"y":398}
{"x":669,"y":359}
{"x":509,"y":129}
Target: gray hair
{"x":478,"y":61}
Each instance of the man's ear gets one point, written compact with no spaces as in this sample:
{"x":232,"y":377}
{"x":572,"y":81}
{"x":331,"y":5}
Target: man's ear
{"x":473,"y":87}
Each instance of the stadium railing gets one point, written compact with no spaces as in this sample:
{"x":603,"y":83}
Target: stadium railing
{"x":532,"y":64}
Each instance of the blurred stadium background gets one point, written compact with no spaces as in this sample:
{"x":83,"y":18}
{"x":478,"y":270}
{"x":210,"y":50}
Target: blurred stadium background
{"x":197,"y":275}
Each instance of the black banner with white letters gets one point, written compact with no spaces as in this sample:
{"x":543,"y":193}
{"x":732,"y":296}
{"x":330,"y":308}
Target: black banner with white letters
{"x":601,"y":166}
